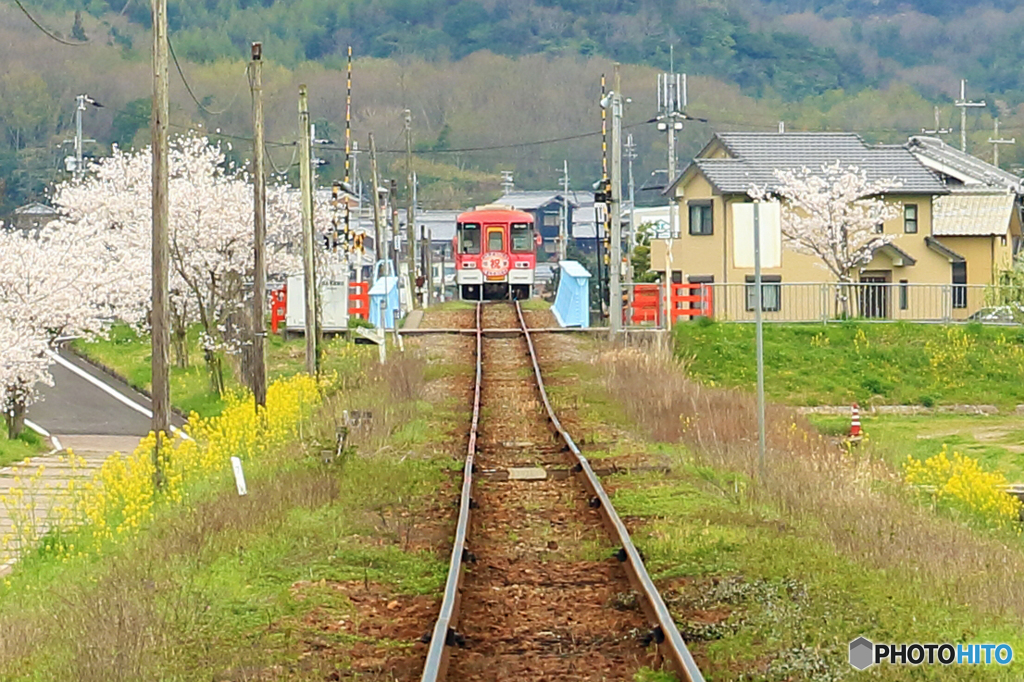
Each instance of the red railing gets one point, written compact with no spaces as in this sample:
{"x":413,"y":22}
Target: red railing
{"x":646,"y":304}
{"x":278,"y":307}
{"x":359,"y":299}
{"x":689,"y":294}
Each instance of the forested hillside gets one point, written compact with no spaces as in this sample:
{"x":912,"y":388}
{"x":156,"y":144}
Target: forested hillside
{"x":496,"y":72}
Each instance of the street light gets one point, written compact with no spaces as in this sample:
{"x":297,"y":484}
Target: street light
{"x":74,"y":164}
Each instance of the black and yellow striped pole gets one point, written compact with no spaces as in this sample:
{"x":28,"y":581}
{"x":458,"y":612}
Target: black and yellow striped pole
{"x":348,"y":119}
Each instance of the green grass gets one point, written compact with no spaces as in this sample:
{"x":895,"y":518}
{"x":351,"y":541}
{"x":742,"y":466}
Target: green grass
{"x":754,"y":589}
{"x":240,"y":588}
{"x":843,"y":362}
{"x":536,"y":304}
{"x":27,"y":444}
{"x":997,"y":441}
{"x":128,"y":353}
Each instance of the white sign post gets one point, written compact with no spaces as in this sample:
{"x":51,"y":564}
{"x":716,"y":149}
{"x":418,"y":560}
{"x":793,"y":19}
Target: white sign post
{"x":236,"y":466}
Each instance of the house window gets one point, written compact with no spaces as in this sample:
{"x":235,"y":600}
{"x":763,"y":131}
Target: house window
{"x":904,"y":294}
{"x":959,"y":285}
{"x":552,"y":220}
{"x":771,"y":293}
{"x":880,"y":228}
{"x":910,"y":218}
{"x":701,"y":218}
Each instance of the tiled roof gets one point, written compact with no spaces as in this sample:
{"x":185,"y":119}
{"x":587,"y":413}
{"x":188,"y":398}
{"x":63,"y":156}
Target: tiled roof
{"x":755,"y":157}
{"x":35,"y":208}
{"x":972,"y":213}
{"x":528,"y":201}
{"x":935,"y":153}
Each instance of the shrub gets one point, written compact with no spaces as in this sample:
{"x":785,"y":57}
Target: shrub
{"x":960,"y":483}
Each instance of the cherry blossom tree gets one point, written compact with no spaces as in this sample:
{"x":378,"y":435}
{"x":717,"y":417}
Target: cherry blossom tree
{"x":63,"y":279}
{"x":23,"y":366}
{"x":210,"y":233}
{"x":834,"y":213}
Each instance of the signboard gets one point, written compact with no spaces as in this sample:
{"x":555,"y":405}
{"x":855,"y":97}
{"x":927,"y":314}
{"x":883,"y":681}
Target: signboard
{"x":769,"y":225}
{"x":494,"y":264}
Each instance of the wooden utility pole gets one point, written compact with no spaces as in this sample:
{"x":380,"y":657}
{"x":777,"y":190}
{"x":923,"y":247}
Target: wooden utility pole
{"x":259,"y":196}
{"x":410,"y":209}
{"x":161,"y":338}
{"x":378,"y":246}
{"x":308,"y":265}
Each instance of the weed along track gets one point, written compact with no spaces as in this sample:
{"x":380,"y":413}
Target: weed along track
{"x":544,"y":582}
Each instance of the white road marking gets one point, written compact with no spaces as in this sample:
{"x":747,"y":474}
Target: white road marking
{"x":54,"y":441}
{"x":117,"y":395}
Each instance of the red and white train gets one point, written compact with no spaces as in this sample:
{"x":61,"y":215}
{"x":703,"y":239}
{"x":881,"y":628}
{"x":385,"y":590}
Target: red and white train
{"x":495,"y":253}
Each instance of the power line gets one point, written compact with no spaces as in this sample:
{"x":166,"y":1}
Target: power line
{"x":189,"y":87}
{"x":50,"y":35}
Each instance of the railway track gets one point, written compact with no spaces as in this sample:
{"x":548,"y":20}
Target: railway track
{"x":544,"y":582}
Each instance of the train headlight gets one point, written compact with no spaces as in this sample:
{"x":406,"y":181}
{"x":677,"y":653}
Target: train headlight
{"x":468,"y":265}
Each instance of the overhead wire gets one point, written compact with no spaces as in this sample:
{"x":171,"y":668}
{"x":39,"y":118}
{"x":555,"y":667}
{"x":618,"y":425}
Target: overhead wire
{"x":48,"y":33}
{"x":188,"y":87}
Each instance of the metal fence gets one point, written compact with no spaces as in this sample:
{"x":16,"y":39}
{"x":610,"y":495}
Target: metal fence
{"x":818,"y":302}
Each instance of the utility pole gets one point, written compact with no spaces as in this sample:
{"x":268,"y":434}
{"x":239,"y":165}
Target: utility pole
{"x":379,"y":247}
{"x":259,"y":200}
{"x":630,"y":155}
{"x":996,"y":141}
{"x":615,"y":211}
{"x":963,"y":104}
{"x":759,"y":333}
{"x":80,"y":102}
{"x":161,"y":338}
{"x":563,"y":214}
{"x":410,"y":209}
{"x":308,"y":264}
{"x":938,"y":130}
{"x":671,"y":103}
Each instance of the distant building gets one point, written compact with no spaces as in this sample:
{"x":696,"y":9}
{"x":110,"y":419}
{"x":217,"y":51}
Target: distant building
{"x":959,"y":223}
{"x":545,"y":206}
{"x":32,"y":217}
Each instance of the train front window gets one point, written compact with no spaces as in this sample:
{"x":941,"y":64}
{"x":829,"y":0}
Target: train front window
{"x":469,"y":237}
{"x":521,"y":238}
{"x":495,"y":240}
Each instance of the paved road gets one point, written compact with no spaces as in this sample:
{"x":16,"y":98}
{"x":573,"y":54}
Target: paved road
{"x":88,"y":412}
{"x":76,"y":405}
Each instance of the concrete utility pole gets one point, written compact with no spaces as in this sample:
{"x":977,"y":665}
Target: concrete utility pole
{"x":996,"y":141}
{"x":380,"y":249}
{"x":938,"y":130}
{"x":615,"y":211}
{"x":671,"y":103}
{"x":963,"y":104}
{"x":410,"y":209}
{"x":630,"y":156}
{"x":563,"y":214}
{"x":308,"y":263}
{"x":161,"y":337}
{"x":259,"y":201}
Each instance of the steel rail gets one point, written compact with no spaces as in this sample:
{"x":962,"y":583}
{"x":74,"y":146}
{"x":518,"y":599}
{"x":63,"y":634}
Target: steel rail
{"x":665,"y":634}
{"x":444,"y":635}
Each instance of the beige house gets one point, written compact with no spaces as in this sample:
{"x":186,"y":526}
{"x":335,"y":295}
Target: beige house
{"x":953,"y":235}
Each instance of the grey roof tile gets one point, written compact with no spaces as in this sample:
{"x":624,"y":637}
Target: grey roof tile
{"x":757,"y":155}
{"x":933,"y":149}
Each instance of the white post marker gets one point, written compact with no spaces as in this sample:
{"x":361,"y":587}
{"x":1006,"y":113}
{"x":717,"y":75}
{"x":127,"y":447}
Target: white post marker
{"x":236,"y":466}
{"x":759,"y":332}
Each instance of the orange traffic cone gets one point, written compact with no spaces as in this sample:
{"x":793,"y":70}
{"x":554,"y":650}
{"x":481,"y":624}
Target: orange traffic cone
{"x":855,"y":433}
